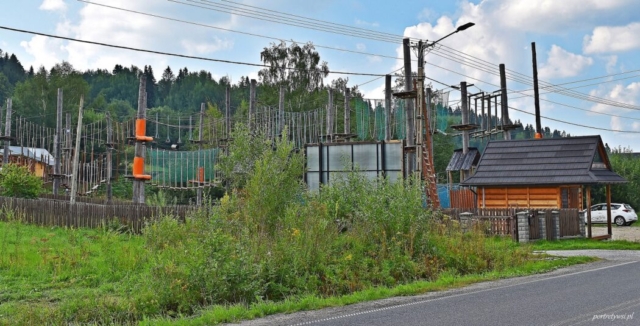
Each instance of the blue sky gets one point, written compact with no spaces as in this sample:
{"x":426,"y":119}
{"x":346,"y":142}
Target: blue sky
{"x":589,"y":46}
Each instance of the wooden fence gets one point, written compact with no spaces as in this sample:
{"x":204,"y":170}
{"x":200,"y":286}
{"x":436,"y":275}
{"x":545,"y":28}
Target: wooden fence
{"x":570,"y":223}
{"x":50,"y":212}
{"x":463,"y":198}
{"x":502,"y":221}
{"x":91,"y":200}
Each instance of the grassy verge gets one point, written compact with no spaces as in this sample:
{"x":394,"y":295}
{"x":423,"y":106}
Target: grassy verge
{"x":60,"y":276}
{"x":578,"y":244}
{"x":57,"y":275}
{"x":226,"y":314}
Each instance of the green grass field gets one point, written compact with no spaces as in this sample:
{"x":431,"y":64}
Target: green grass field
{"x":61,"y":276}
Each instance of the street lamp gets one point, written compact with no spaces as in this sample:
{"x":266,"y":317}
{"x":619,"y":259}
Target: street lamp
{"x":459,"y":29}
{"x":425,"y":150}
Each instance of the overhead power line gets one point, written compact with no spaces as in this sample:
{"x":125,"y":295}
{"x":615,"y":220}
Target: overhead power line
{"x":567,"y":122}
{"x":239,"y":32}
{"x":169,"y":53}
{"x":577,"y":124}
{"x":287,"y":21}
{"x":440,"y":50}
{"x":312,"y":19}
{"x":485,"y":66}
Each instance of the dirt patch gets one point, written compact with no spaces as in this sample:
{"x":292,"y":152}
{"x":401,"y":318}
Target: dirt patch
{"x":630,"y":233}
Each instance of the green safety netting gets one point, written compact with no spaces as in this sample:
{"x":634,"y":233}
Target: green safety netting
{"x":442,"y":117}
{"x":180,"y":168}
{"x":363,"y":116}
{"x":379,"y":122}
{"x":370,"y":119}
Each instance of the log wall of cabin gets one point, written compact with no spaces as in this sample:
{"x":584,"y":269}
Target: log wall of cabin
{"x":529,"y":197}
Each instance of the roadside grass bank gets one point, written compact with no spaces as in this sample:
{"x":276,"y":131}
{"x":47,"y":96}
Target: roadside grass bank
{"x":578,"y":244}
{"x":267,"y":246}
{"x":60,"y":276}
{"x":235,"y":313}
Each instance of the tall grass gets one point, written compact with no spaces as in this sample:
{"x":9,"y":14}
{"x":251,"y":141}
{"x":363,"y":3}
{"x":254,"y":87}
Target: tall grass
{"x":271,"y":240}
{"x":267,"y":240}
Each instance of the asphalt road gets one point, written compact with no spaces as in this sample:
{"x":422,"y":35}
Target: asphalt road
{"x":602,"y":293}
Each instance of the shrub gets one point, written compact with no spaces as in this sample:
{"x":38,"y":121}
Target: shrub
{"x":18,"y":181}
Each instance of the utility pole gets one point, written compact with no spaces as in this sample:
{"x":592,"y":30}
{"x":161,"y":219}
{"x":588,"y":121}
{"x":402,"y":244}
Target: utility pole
{"x":503,"y":102}
{"x":252,"y":104}
{"x":109,"y":145}
{"x":465,"y":116}
{"x":227,"y":113}
{"x":76,"y":154}
{"x":387,"y":107}
{"x":56,"y":144}
{"x":536,"y":92}
{"x":67,"y":149}
{"x":200,"y":174}
{"x":330,"y":116}
{"x":347,"y":112}
{"x":425,"y":149}
{"x":7,"y":134}
{"x":280,"y":112}
{"x":140,"y":147}
{"x":409,"y":113}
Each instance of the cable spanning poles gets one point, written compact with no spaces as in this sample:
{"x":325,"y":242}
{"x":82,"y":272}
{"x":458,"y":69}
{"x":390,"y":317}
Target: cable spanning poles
{"x":291,"y":20}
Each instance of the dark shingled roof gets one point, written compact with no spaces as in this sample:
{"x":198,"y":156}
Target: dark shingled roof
{"x":552,"y":161}
{"x":460,"y":161}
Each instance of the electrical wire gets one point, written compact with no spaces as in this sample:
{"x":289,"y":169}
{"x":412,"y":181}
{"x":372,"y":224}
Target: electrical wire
{"x":571,"y":123}
{"x":169,"y":53}
{"x":317,"y":20}
{"x":372,"y":80}
{"x":480,"y":64}
{"x":576,"y":124}
{"x":477,"y":63}
{"x":284,"y":21}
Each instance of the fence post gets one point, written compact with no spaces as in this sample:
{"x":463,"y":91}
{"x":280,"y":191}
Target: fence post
{"x":555,"y":218}
{"x":523,"y":226}
{"x":542,"y":224}
{"x":581,"y":223}
{"x":466,"y":221}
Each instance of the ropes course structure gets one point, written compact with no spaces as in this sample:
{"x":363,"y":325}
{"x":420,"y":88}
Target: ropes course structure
{"x":181,"y":150}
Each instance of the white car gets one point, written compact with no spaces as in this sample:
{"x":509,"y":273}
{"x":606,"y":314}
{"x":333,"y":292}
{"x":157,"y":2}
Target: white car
{"x":621,"y":214}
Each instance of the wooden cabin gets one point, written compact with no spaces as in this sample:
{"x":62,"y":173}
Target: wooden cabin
{"x":540,"y":173}
{"x":38,"y":160}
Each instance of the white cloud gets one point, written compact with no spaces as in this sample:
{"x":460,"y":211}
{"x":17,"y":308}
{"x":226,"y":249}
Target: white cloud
{"x":426,"y":14}
{"x":100,"y":24}
{"x":611,"y":39}
{"x":45,"y":51}
{"x":366,"y":23}
{"x":199,"y":47}
{"x":611,"y":63}
{"x":552,"y":16}
{"x":53,"y":5}
{"x":616,"y":123}
{"x":374,"y":59}
{"x":629,"y":94}
{"x":561,"y":63}
{"x":361,"y":47}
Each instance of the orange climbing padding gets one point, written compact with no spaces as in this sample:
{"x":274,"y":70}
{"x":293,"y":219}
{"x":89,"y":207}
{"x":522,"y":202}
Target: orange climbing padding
{"x":141,"y":131}
{"x":201,"y":174}
{"x":138,"y":169}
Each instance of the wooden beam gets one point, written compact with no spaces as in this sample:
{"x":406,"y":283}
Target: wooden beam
{"x":588,"y":212}
{"x":609,"y":209}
